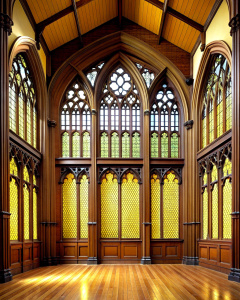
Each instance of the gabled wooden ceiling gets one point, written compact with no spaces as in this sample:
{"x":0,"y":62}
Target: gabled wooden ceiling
{"x":179,"y":22}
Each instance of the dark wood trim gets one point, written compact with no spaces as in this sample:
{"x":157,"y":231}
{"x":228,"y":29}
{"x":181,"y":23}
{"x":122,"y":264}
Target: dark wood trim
{"x":167,"y":161}
{"x":72,"y":161}
{"x":177,"y":15}
{"x":212,"y":13}
{"x":120,"y":13}
{"x":77,"y":20}
{"x":165,"y":7}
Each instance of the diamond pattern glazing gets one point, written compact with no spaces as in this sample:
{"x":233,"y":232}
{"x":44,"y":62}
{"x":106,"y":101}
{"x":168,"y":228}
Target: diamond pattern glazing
{"x":35,"y":214}
{"x":76,"y":144}
{"x":174,"y":145}
{"x":13,"y":167}
{"x":215,"y":212}
{"x":115,"y":144}
{"x":13,"y":194}
{"x":26,"y":211}
{"x":155,"y":207}
{"x":227,"y":168}
{"x":154,"y":145}
{"x":205,"y":214}
{"x":104,"y":145}
{"x":65,"y":144}
{"x":164,"y":145}
{"x":136,"y":145}
{"x":227,"y":210}
{"x":84,"y":207}
{"x":86,"y":144}
{"x":125,"y":145}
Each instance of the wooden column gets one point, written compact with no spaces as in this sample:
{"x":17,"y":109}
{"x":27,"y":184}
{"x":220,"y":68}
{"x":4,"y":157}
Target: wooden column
{"x":146,"y":258}
{"x":235,"y":32}
{"x":5,"y":30}
{"x":191,"y":224}
{"x":92,"y":224}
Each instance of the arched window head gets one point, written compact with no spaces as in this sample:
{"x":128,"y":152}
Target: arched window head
{"x":165,"y":122}
{"x":75,"y":122}
{"x":22,"y":101}
{"x":217,"y":108}
{"x":120,"y":111}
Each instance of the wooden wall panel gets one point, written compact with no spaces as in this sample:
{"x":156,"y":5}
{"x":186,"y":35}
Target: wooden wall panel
{"x":167,"y":252}
{"x":215,"y":255}
{"x":83,"y":251}
{"x":120,"y":252}
{"x":73,"y":252}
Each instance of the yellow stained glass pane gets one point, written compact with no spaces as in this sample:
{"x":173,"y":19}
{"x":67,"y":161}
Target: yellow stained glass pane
{"x":130,"y":211}
{"x":155,"y":207}
{"x":12,"y":108}
{"x":69,"y":208}
{"x":125,"y":145}
{"x":35,"y":236}
{"x":164,"y":145}
{"x":109,"y":207}
{"x":34,"y":180}
{"x":211,"y":126}
{"x":26,"y":212}
{"x":86,"y":144}
{"x":170,"y":207}
{"x":21,"y":117}
{"x":25,"y":174}
{"x":214,"y":173}
{"x":215,"y":212}
{"x":13,"y":194}
{"x":13,"y":167}
{"x":229,"y":112}
{"x":227,"y":168}
{"x":76,"y":144}
{"x":205,"y":177}
{"x":104,"y":145}
{"x":29,"y":123}
{"x":154,"y":145}
{"x":34,"y":128}
{"x":227,"y":210}
{"x":65,"y":144}
{"x":220,"y":119}
{"x":136,"y":145}
{"x":205,"y":214}
{"x":115,"y":144}
{"x":84,"y":207}
{"x":204,"y":132}
{"x":174,"y":145}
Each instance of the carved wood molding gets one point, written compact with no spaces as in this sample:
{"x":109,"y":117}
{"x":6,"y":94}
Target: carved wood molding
{"x":6,"y":23}
{"x":235,"y":24}
{"x":77,"y":172}
{"x":120,"y":173}
{"x":163,"y":171}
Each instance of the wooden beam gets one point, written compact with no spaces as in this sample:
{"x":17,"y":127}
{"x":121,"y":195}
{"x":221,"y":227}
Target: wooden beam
{"x":77,"y":20}
{"x":177,"y":15}
{"x":120,"y":12}
{"x":165,"y":5}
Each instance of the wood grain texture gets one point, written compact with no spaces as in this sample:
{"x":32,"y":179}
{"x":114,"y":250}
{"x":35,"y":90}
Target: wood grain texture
{"x":120,"y":282}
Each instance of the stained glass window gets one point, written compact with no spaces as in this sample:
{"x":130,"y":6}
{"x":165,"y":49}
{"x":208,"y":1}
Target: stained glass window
{"x":136,"y":145}
{"x":35,"y":236}
{"x":75,"y":122}
{"x":93,"y":73}
{"x":211,"y":122}
{"x":115,"y":144}
{"x":104,"y":145}
{"x":69,"y":207}
{"x":130,"y":208}
{"x":147,"y":74}
{"x":13,"y":194}
{"x":125,"y":145}
{"x":84,"y":207}
{"x":204,"y":127}
{"x":154,"y":145}
{"x":215,"y":203}
{"x":205,"y":207}
{"x":26,"y":212}
{"x":164,"y":145}
{"x":174,"y":145}
{"x":228,"y":101}
{"x":227,"y":200}
{"x":155,"y":207}
{"x":22,"y":100}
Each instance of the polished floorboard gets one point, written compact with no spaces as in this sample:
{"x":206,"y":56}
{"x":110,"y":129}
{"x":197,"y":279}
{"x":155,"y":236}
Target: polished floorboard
{"x":120,"y":282}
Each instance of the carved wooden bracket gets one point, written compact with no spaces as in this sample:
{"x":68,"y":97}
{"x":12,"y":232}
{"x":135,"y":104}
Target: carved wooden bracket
{"x":188,"y":124}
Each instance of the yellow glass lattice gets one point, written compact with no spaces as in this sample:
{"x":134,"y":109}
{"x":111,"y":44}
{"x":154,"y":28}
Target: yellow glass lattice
{"x":34,"y":180}
{"x":104,"y":144}
{"x":215,"y":212}
{"x":34,"y":128}
{"x":227,"y":168}
{"x":130,"y":227}
{"x":69,"y":207}
{"x":35,"y":214}
{"x":171,"y":207}
{"x":227,"y":209}
{"x":76,"y":144}
{"x":214,"y":173}
{"x":25,"y":174}
{"x":65,"y":144}
{"x":84,"y":207}
{"x":13,"y":167}
{"x":205,"y":178}
{"x":229,"y":112}
{"x":220,"y":119}
{"x":109,"y":207}
{"x":155,"y":207}
{"x":12,"y":108}
{"x":13,"y":210}
{"x":26,"y":212}
{"x":204,"y":132}
{"x":21,"y":117}
{"x":86,"y":144}
{"x":205,"y":214}
{"x":29,"y":123}
{"x":211,"y":127}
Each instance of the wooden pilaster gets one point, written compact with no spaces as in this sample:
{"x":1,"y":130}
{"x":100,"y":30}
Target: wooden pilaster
{"x":235,"y":32}
{"x":146,"y":258}
{"x":5,"y":30}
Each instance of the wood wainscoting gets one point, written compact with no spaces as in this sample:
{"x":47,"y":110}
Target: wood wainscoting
{"x":167,"y":252}
{"x":24,"y":256}
{"x":216,"y":255}
{"x":73,"y":252}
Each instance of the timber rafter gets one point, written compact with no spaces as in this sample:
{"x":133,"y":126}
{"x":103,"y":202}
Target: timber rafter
{"x":165,"y":6}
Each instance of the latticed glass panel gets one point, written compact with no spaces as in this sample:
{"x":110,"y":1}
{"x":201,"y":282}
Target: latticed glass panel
{"x":125,"y":145}
{"x":220,"y":119}
{"x":104,"y":117}
{"x":227,"y":209}
{"x":35,"y":236}
{"x":211,"y":123}
{"x":204,"y":128}
{"x":65,"y":145}
{"x":25,"y":174}
{"x":109,"y":207}
{"x":34,"y":180}
{"x":155,"y":207}
{"x":92,"y":74}
{"x":29,"y":123}
{"x":136,"y":145}
{"x":228,"y":101}
{"x":21,"y":117}
{"x":86,"y":144}
{"x":170,"y":207}
{"x":13,"y":167}
{"x":125,"y":117}
{"x":136,"y":117}
{"x":12,"y":108}
{"x":174,"y":145}
{"x":84,"y":207}
{"x":215,"y":212}
{"x":148,"y":76}
{"x":114,"y":117}
{"x":26,"y":212}
{"x":13,"y":194}
{"x":154,"y":118}
{"x":115,"y":144}
{"x":164,"y":145}
{"x":104,"y":144}
{"x":227,"y":167}
{"x":69,"y":207}
{"x":76,"y":144}
{"x":130,"y":210}
{"x":34,"y":128}
{"x":205,"y":214}
{"x":154,"y":145}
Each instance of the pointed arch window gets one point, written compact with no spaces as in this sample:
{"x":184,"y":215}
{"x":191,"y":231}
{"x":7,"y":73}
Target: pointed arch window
{"x":217,"y":108}
{"x":120,"y":102}
{"x":75,"y":122}
{"x":164,"y":124}
{"x":22,"y":101}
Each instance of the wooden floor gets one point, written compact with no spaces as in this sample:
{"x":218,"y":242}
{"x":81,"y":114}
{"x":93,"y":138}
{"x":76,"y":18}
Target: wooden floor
{"x":120,"y":282}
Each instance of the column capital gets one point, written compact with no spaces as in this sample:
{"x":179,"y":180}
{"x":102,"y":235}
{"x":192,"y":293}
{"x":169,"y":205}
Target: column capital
{"x":51,"y":123}
{"x":6,"y":23}
{"x":234,"y":24}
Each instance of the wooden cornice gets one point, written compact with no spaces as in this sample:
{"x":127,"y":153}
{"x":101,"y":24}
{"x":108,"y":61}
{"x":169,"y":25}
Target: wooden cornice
{"x":177,"y":15}
{"x":165,"y":5}
{"x":77,"y":21}
{"x":120,"y":12}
